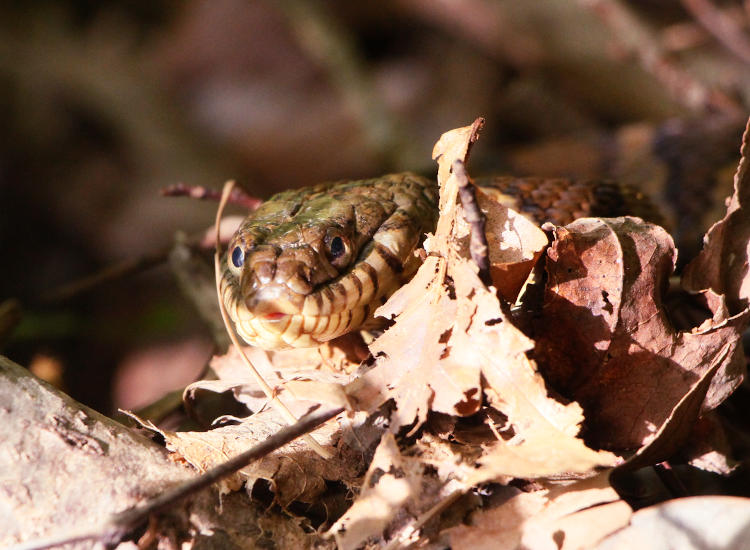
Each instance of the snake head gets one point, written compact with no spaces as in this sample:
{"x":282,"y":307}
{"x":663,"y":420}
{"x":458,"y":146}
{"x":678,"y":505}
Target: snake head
{"x":276,"y":277}
{"x":310,"y":265}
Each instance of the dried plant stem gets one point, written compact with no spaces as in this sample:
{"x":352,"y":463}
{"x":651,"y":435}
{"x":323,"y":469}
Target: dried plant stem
{"x":238,"y":196}
{"x":267,"y":389}
{"x":109,"y":273}
{"x":473,"y":215}
{"x":426,"y":516}
{"x":117,"y":526}
{"x":721,"y":26}
{"x":642,"y":42}
{"x":670,"y":480}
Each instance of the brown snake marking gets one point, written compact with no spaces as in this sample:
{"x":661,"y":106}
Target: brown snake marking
{"x":311,"y":264}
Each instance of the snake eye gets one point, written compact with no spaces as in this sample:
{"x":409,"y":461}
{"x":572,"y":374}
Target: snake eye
{"x":238,"y":256}
{"x":337,"y":247}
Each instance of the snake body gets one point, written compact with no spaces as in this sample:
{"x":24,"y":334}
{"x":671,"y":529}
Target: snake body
{"x":312,"y":264}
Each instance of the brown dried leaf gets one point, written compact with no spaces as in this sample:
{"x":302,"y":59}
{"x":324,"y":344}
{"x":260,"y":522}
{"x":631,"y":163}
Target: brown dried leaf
{"x":605,"y":339}
{"x":576,"y":515}
{"x":302,"y":377}
{"x":395,"y":490}
{"x":673,"y":432}
{"x":450,"y":331}
{"x":709,"y":446}
{"x":722,"y":265}
{"x":296,"y":472}
{"x":515,"y":245}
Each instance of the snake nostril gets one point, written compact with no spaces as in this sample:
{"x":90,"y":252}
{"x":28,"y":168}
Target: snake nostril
{"x":299,"y":283}
{"x":265,"y":272}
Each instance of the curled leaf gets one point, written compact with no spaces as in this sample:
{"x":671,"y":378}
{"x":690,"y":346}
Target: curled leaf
{"x":605,"y":339}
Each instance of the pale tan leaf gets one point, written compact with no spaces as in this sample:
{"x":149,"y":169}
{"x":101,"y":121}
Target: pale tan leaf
{"x":694,"y":523}
{"x":514,"y":242}
{"x":296,"y":472}
{"x":561,"y":516}
{"x":316,"y":374}
{"x":391,"y":488}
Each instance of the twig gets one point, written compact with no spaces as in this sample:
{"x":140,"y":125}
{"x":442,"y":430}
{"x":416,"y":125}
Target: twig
{"x":685,"y":35}
{"x":670,"y":480}
{"x":640,"y":40}
{"x":267,"y":389}
{"x":427,"y":516}
{"x":722,"y":27}
{"x":147,"y":261}
{"x":117,"y":526}
{"x":195,"y":279}
{"x":478,"y":240}
{"x":238,"y":196}
{"x":119,"y":270}
{"x":107,"y":274}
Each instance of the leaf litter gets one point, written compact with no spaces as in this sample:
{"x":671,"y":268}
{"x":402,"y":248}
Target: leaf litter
{"x":474,"y":391}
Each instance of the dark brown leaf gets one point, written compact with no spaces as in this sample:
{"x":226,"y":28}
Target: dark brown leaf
{"x":605,"y":339}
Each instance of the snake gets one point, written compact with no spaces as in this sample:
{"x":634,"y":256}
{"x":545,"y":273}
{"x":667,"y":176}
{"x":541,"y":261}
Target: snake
{"x":312,"y":264}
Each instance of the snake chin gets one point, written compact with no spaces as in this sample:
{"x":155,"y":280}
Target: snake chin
{"x":276,"y":331}
{"x":273,"y":301}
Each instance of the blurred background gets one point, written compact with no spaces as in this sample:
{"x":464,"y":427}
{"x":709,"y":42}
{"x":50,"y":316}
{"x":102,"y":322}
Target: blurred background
{"x":104,"y":103}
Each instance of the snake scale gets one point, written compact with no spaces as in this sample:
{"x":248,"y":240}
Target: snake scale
{"x":312,"y":264}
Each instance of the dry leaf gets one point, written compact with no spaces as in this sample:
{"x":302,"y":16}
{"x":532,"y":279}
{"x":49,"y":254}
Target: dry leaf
{"x":694,"y":523}
{"x":722,"y":265}
{"x":302,"y":377}
{"x":673,"y":432}
{"x":295,"y":471}
{"x":394,"y":492}
{"x":515,"y":244}
{"x":570,"y":516}
{"x":449,"y":333}
{"x":605,"y":339}
{"x":708,"y":446}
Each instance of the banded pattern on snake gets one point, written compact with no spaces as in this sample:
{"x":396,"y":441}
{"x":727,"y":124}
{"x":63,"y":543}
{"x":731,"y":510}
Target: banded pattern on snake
{"x":312,"y":264}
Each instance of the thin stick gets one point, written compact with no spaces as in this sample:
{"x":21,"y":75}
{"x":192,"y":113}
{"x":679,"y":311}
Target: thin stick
{"x":427,"y":516}
{"x":118,"y":525}
{"x":109,"y":273}
{"x":473,"y":215}
{"x":641,"y":41}
{"x":670,"y":480}
{"x":238,"y":196}
{"x":267,"y":389}
{"x":725,"y":29}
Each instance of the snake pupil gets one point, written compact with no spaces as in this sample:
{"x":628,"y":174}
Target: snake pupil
{"x":238,"y":256}
{"x":337,"y":247}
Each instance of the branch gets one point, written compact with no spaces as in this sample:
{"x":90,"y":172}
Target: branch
{"x":473,"y":215}
{"x":238,"y":196}
{"x":721,"y":26}
{"x":641,"y":41}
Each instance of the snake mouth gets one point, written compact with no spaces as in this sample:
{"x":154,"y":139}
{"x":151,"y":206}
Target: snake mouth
{"x":275,"y":316}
